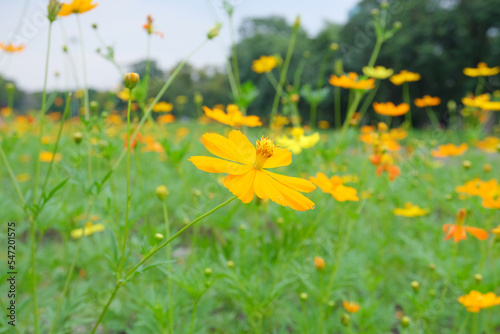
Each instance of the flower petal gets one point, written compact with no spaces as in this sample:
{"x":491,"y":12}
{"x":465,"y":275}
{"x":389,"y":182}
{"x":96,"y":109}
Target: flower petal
{"x":215,"y":165}
{"x":241,"y":185}
{"x":222,"y":147}
{"x":244,"y":145}
{"x":293,"y":182}
{"x":477,"y":232}
{"x":281,"y":157}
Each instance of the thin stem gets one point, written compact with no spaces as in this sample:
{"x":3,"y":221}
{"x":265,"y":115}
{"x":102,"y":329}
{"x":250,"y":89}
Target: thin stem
{"x":369,"y":99}
{"x":406,"y":98}
{"x":127,"y":209}
{"x":350,"y":113}
{"x":12,"y":176}
{"x":284,"y":70}
{"x":322,"y":69}
{"x":375,"y":53}
{"x":84,"y":67}
{"x":169,"y":269}
{"x":152,"y":252}
{"x":193,"y":315}
{"x":432,"y":116}
{"x":480,"y":85}
{"x":337,"y":97}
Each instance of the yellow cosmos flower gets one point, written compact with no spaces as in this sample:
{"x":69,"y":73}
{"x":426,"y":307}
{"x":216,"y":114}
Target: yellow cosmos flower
{"x":496,"y":231}
{"x":5,"y":112}
{"x":47,"y":156}
{"x":298,"y":141}
{"x":334,"y":187}
{"x":481,"y":101}
{"x":404,"y":76}
{"x":351,"y":307}
{"x":410,"y":210}
{"x":390,"y":109}
{"x":482,"y":70}
{"x":165,"y":119}
{"x":181,"y":99}
{"x":489,"y":144}
{"x":87,"y":230}
{"x":124,"y":94}
{"x":11,"y":48}
{"x":427,"y":101}
{"x":234,"y":117}
{"x":350,"y":81}
{"x":378,"y":72}
{"x":23,"y":177}
{"x":475,"y":301}
{"x":478,"y":187}
{"x":449,"y":150}
{"x":246,"y":167}
{"x":163,"y":107}
{"x":77,"y":7}
{"x":264,"y":64}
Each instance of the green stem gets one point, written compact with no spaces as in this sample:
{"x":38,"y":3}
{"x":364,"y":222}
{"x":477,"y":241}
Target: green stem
{"x":432,"y":116}
{"x":152,"y":252}
{"x":369,"y":99}
{"x":406,"y":98}
{"x":13,"y":177}
{"x":193,"y":315}
{"x":322,"y":69}
{"x":350,"y":113}
{"x":169,"y":269}
{"x":480,"y":86}
{"x":284,"y":71}
{"x":312,"y":116}
{"x":337,"y":97}
{"x":84,"y":67}
{"x":375,"y":53}
{"x":127,"y":209}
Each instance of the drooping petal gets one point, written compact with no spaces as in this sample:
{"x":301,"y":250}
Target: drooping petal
{"x":215,"y":165}
{"x":281,"y":157}
{"x":477,"y":232}
{"x":450,"y":229}
{"x":244,"y":145}
{"x":268,"y":188}
{"x":293,"y":182}
{"x":241,"y":185}
{"x":222,"y":147}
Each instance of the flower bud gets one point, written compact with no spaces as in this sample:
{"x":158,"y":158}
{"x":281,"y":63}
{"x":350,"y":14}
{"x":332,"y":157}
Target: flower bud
{"x":338,"y":67}
{"x":53,"y":9}
{"x":131,"y":79}
{"x":306,"y":54}
{"x":466,"y":164}
{"x":452,"y":105}
{"x":10,"y":87}
{"x":230,"y":264}
{"x":319,"y":263}
{"x":375,"y":12}
{"x":214,"y":31}
{"x":331,"y":303}
{"x":198,"y":98}
{"x":159,"y":236}
{"x":487,"y":168}
{"x":398,"y":25}
{"x":478,"y":278}
{"x":432,"y":292}
{"x":296,"y":24}
{"x":280,"y":220}
{"x":432,"y":266}
{"x":345,"y":319}
{"x":94,"y":105}
{"x":77,"y":137}
{"x":65,"y":49}
{"x":208,"y":272}
{"x":334,"y":47}
{"x":384,"y":5}
{"x":94,"y":26}
{"x":303,"y":296}
{"x":294,"y":98}
{"x":162,"y":192}
{"x":405,"y":321}
{"x":415,"y":286}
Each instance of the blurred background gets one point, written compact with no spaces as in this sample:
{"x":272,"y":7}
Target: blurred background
{"x":438,"y":39}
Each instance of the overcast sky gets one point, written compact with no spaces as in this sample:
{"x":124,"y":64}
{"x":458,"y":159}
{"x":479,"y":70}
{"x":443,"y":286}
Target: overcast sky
{"x":183,"y":22}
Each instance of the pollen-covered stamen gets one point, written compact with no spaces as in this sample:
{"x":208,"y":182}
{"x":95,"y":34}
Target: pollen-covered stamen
{"x":462,"y":213}
{"x":265,"y":150}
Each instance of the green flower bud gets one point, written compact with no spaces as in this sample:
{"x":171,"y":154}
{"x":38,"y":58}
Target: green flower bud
{"x":131,"y":80}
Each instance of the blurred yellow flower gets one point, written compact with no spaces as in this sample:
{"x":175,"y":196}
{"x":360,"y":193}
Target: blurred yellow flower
{"x":163,"y":107}
{"x":478,"y":187}
{"x":23,"y":177}
{"x":11,"y":48}
{"x":324,"y":125}
{"x":234,"y":116}
{"x":298,"y":141}
{"x":350,"y":81}
{"x":489,"y":144}
{"x":351,"y":307}
{"x":378,"y":72}
{"x":5,"y":112}
{"x":389,"y":109}
{"x":334,"y":187}
{"x":482,"y":70}
{"x":165,"y":119}
{"x":427,"y":101}
{"x":47,"y":156}
{"x":264,"y":64}
{"x":77,"y":7}
{"x":449,"y":150}
{"x":124,"y":94}
{"x":410,"y":210}
{"x":404,"y":76}
{"x":475,"y":301}
{"x":87,"y":230}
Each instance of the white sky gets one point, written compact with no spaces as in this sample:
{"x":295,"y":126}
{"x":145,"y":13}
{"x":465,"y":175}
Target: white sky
{"x":184,"y":23}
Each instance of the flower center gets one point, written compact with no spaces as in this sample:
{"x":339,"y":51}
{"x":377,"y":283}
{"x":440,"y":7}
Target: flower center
{"x":265,"y":150}
{"x":462,"y":213}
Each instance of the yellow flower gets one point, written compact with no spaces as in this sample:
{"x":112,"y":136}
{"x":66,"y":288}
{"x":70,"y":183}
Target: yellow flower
{"x":475,"y":301}
{"x":47,"y":156}
{"x":351,"y":307}
{"x":163,"y":107}
{"x":77,"y":7}
{"x":449,"y":150}
{"x":246,"y":166}
{"x":181,"y":99}
{"x":378,"y":72}
{"x":264,"y":64}
{"x":404,"y":76}
{"x":482,"y":70}
{"x":5,"y":112}
{"x":23,"y":177}
{"x":87,"y":230}
{"x":234,"y":117}
{"x":165,"y":119}
{"x":324,"y":125}
{"x":410,"y":210}
{"x":489,"y":144}
{"x":350,"y":81}
{"x":389,"y":109}
{"x":11,"y":48}
{"x":124,"y":94}
{"x":298,"y":141}
{"x":335,"y":187}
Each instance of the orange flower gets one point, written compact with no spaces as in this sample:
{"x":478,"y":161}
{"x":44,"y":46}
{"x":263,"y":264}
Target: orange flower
{"x":165,"y":119}
{"x":389,"y":109}
{"x":11,"y":48}
{"x":479,"y":187}
{"x":482,"y":70}
{"x":392,"y":170}
{"x":449,"y":150}
{"x":319,"y":263}
{"x":77,"y":7}
{"x":350,"y":81}
{"x":335,"y":187}
{"x":404,"y":76}
{"x":427,"y":101}
{"x":459,"y":231}
{"x":351,"y":307}
{"x":149,"y":27}
{"x":48,"y":156}
{"x":234,"y":117}
{"x":151,"y":145}
{"x":475,"y":301}
{"x":489,"y":144}
{"x":264,"y":64}
{"x":489,"y":202}
{"x":246,"y":168}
